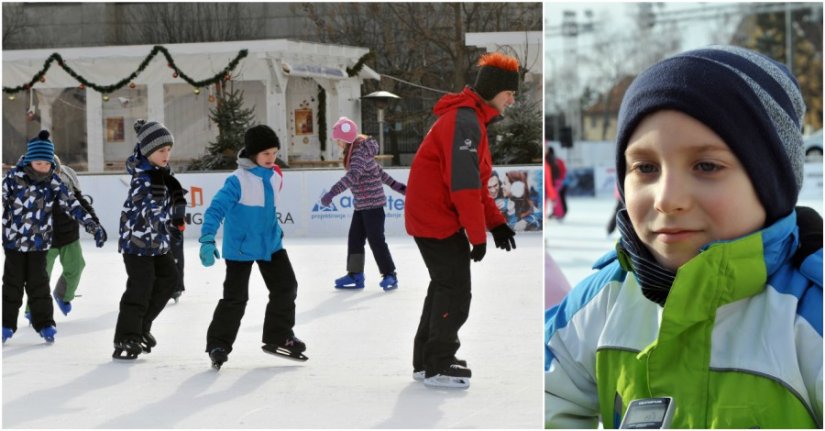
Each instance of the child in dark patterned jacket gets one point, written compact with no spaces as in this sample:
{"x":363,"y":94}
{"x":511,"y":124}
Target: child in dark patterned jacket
{"x":30,"y":191}
{"x":364,"y":177}
{"x":155,"y":198}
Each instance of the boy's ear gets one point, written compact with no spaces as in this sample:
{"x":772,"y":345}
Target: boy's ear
{"x":810,"y":234}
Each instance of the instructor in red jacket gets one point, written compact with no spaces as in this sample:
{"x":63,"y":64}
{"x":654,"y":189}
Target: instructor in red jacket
{"x":448,"y":209}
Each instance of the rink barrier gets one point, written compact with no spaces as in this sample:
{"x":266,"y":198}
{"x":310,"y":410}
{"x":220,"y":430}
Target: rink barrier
{"x":299,"y":208}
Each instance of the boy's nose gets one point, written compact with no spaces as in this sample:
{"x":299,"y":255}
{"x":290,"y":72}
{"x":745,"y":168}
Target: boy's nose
{"x":672,"y":194}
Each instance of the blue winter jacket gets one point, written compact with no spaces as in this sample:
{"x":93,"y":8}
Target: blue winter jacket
{"x":247,"y":205}
{"x":144,"y":220}
{"x":28,"y":207}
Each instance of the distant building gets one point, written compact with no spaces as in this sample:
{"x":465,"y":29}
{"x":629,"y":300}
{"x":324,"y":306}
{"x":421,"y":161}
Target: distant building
{"x":599,"y":121}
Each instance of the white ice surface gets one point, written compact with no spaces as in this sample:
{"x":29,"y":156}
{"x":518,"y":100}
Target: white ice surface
{"x":359,"y":374}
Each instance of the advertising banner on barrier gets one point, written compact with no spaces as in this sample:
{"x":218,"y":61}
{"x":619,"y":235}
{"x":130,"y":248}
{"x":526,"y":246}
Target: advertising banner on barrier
{"x":517,"y":190}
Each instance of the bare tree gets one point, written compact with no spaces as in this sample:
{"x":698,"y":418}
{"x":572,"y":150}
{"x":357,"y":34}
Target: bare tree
{"x":14,"y":24}
{"x":188,"y":22}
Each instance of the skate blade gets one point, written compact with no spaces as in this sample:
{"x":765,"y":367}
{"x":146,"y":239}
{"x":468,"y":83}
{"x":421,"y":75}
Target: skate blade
{"x":349,"y":287}
{"x":419,"y":376}
{"x":439,"y":381}
{"x":216,"y":366}
{"x":284,"y":353}
{"x":392,"y":287}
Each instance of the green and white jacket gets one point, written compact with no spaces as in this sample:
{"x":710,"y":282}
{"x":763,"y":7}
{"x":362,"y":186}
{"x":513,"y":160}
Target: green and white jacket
{"x":738,"y":343}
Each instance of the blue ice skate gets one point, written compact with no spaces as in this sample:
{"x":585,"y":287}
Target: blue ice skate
{"x":7,"y":333}
{"x":389,"y":282}
{"x":353,"y":280}
{"x":65,"y":307}
{"x":48,"y":333}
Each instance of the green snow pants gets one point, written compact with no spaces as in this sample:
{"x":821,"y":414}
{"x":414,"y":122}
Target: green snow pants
{"x":71,"y":259}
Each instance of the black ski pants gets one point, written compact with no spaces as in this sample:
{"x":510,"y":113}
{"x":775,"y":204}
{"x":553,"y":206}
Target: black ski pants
{"x":368,"y":225}
{"x":176,"y":244}
{"x":280,"y":310}
{"x":27,"y":271}
{"x":447,"y":304}
{"x":150,"y":283}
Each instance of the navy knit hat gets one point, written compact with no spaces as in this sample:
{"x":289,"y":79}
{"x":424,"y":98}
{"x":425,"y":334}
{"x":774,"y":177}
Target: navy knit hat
{"x":259,"y":138}
{"x":152,"y":136}
{"x":751,"y":101}
{"x":40,"y":148}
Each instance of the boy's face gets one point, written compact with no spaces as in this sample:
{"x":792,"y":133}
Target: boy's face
{"x":41,"y":166}
{"x":161,"y":156}
{"x":266,"y":158}
{"x":685,"y":188}
{"x":503,"y":100}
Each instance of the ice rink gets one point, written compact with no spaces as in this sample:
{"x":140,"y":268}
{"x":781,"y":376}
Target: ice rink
{"x":581,"y":237}
{"x":359,"y":345}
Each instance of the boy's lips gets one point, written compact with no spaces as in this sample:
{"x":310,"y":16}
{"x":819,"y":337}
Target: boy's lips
{"x":674,"y":234}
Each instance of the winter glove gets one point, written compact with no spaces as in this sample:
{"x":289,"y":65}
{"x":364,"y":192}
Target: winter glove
{"x":810,"y":234}
{"x":326,"y":200}
{"x":399,"y":187}
{"x":158,"y":187}
{"x":478,"y":252}
{"x":208,"y":250}
{"x":97,"y":230}
{"x":177,"y":193}
{"x":503,"y":236}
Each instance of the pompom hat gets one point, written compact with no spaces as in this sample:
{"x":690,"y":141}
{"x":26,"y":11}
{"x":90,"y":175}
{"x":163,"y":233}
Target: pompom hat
{"x":345,"y":130}
{"x":497,"y":72}
{"x":751,"y":101}
{"x":152,"y":136}
{"x":40,"y":148}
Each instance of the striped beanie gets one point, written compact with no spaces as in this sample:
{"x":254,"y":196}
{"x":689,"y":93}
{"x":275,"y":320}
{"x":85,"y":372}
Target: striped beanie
{"x":751,"y":101}
{"x":40,"y":148}
{"x":152,"y":136}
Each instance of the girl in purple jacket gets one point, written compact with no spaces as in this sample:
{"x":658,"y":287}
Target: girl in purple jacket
{"x":365,"y":178}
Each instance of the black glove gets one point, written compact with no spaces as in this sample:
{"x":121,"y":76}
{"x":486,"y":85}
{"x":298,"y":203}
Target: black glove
{"x":158,"y":186}
{"x":478,"y":252}
{"x":503,"y":236}
{"x":177,"y":193}
{"x":810,"y":234}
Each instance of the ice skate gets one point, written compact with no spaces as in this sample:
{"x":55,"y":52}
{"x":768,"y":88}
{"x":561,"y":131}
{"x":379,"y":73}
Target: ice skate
{"x":48,"y":333}
{"x":65,"y":307}
{"x":176,"y":295}
{"x":420,"y":374}
{"x":454,"y":376}
{"x":127,"y":349}
{"x":292,"y":348}
{"x":389,"y":282}
{"x":218,"y":356}
{"x":353,"y":280}
{"x":147,"y":342}
{"x":7,"y":333}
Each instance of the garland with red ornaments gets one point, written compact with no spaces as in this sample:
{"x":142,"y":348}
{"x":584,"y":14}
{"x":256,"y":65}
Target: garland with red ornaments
{"x":40,"y":76}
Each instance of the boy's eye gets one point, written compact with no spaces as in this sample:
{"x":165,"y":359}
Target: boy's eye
{"x":644,"y":168}
{"x":707,"y":167}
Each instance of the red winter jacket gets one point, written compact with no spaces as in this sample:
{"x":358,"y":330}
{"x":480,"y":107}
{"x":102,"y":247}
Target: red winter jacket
{"x":447,"y":186}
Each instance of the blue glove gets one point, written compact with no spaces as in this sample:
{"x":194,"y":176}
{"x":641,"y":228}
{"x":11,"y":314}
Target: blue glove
{"x":326,"y":200}
{"x":97,"y":231}
{"x":100,"y":236}
{"x":208,"y":250}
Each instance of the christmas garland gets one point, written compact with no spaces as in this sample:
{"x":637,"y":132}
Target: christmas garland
{"x":41,"y":75}
{"x":359,"y":64}
{"x":322,"y":118}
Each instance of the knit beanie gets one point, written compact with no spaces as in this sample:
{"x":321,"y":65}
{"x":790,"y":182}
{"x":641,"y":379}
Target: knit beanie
{"x":259,"y":138}
{"x":345,"y":130}
{"x":40,"y":148}
{"x":152,"y":136}
{"x":497,"y":72}
{"x":751,"y":101}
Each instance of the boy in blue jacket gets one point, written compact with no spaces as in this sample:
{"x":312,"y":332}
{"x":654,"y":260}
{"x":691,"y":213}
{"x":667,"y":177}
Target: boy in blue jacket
{"x":155,"y":198}
{"x":30,"y":191}
{"x":247,"y":205}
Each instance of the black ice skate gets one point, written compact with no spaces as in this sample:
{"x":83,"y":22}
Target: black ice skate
{"x":218,"y":356}
{"x":127,"y":349}
{"x":420,"y":374}
{"x":147,"y":342}
{"x":176,"y":295}
{"x":292,"y":348}
{"x":454,"y":376}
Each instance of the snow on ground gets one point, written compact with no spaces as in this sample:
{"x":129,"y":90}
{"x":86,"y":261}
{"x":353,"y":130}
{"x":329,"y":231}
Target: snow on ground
{"x":581,"y":238}
{"x":359,"y":345}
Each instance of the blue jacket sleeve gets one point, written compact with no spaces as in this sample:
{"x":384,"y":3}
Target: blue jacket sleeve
{"x":227,"y":197}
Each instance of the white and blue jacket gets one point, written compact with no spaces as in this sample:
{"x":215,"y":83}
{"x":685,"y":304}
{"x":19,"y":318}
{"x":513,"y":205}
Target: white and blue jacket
{"x":247,"y":206}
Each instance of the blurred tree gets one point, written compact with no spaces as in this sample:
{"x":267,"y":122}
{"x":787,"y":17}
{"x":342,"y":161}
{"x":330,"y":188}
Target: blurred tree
{"x":232,"y":120}
{"x":14,"y":22}
{"x":158,"y":23}
{"x":519,"y":133}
